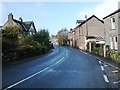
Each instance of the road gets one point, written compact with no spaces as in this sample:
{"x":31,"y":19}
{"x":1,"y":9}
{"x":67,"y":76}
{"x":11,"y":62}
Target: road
{"x":65,"y":67}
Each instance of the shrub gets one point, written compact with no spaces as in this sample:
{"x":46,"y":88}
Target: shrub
{"x":16,"y":45}
{"x":96,"y":50}
{"x":115,"y":55}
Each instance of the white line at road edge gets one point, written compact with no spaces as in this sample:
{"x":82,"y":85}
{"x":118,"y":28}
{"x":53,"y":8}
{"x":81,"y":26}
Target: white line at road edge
{"x":105,"y":78}
{"x":102,"y":68}
{"x":34,"y":74}
{"x":104,"y":75}
{"x":100,"y":62}
{"x":116,"y":82}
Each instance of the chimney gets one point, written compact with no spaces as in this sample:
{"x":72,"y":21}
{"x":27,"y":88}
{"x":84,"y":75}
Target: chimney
{"x":10,"y":19}
{"x":21,"y":19}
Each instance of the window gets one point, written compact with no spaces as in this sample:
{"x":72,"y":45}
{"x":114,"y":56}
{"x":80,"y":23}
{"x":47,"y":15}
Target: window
{"x":116,"y":42}
{"x":116,"y":39}
{"x":113,"y":19}
{"x":113,"y":23}
{"x":111,"y":42}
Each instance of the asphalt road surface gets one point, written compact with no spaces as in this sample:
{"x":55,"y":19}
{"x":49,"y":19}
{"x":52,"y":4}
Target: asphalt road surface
{"x":64,"y":67}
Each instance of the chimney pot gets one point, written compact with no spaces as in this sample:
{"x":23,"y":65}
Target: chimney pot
{"x":21,"y":19}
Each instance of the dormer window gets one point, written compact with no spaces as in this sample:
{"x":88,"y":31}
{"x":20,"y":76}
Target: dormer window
{"x":113,"y":22}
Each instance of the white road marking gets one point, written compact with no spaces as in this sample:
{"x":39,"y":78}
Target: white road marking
{"x":66,"y":52}
{"x":100,"y":62}
{"x":83,"y":52}
{"x":106,"y":78}
{"x":116,"y":71}
{"x":102,"y":68}
{"x":26,"y":78}
{"x":50,"y":54}
{"x":34,"y":74}
{"x":116,"y":82}
{"x":105,"y":65}
{"x":57,"y":62}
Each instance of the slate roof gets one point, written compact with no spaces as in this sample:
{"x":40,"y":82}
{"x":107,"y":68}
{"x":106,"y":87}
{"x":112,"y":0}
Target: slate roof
{"x":79,"y":21}
{"x":0,"y":26}
{"x":117,"y":11}
{"x":99,"y":38}
{"x":89,"y":19}
{"x":25,"y":25}
{"x":21,"y":24}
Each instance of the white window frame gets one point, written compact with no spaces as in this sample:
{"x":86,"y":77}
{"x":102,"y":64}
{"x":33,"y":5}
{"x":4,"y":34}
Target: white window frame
{"x":113,"y":20}
{"x":111,"y":43}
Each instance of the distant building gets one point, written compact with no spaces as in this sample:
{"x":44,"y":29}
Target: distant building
{"x":112,"y":30}
{"x":0,"y":27}
{"x":28,"y":26}
{"x":70,"y":38}
{"x":79,"y":21}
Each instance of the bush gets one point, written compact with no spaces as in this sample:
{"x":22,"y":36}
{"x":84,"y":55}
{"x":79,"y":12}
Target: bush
{"x":115,"y":55}
{"x":16,"y":45}
{"x":96,"y":50}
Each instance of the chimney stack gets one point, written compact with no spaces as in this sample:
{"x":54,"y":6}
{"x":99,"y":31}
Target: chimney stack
{"x":10,"y":19}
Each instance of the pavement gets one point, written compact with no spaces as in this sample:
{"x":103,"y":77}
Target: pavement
{"x":64,"y":67}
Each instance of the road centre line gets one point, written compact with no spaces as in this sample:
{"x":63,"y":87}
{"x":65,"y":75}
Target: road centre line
{"x":26,"y":78}
{"x":66,"y":52}
{"x":34,"y":74}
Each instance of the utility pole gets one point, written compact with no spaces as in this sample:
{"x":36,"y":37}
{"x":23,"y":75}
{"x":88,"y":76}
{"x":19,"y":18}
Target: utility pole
{"x":87,"y":34}
{"x":86,"y":26}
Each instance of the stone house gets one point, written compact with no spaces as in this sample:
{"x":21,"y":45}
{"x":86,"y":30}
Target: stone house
{"x":70,"y":38}
{"x":112,"y":30}
{"x":0,"y":27}
{"x":77,"y":33}
{"x":91,"y":30}
{"x":28,"y":26}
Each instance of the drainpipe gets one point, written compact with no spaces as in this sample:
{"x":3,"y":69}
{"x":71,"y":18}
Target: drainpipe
{"x":90,"y":46}
{"x":104,"y":50}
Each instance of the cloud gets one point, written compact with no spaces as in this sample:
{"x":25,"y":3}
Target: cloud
{"x":101,"y":10}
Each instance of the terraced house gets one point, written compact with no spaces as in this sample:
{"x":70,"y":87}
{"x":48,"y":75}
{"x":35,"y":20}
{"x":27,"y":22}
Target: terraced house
{"x":77,"y":33}
{"x":70,"y":38}
{"x":90,"y":30}
{"x":112,"y":30}
{"x":28,"y":27}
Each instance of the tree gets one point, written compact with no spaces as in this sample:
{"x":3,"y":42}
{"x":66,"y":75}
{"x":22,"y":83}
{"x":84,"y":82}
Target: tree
{"x":62,"y":36}
{"x":42,"y":37}
{"x":10,"y":37}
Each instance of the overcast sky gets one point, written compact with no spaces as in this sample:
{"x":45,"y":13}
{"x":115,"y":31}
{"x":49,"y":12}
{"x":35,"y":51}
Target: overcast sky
{"x":56,"y":15}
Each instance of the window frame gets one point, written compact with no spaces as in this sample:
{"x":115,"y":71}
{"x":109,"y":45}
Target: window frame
{"x":113,"y":21}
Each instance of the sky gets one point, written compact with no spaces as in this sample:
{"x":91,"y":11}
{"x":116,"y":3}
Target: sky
{"x":54,"y":16}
